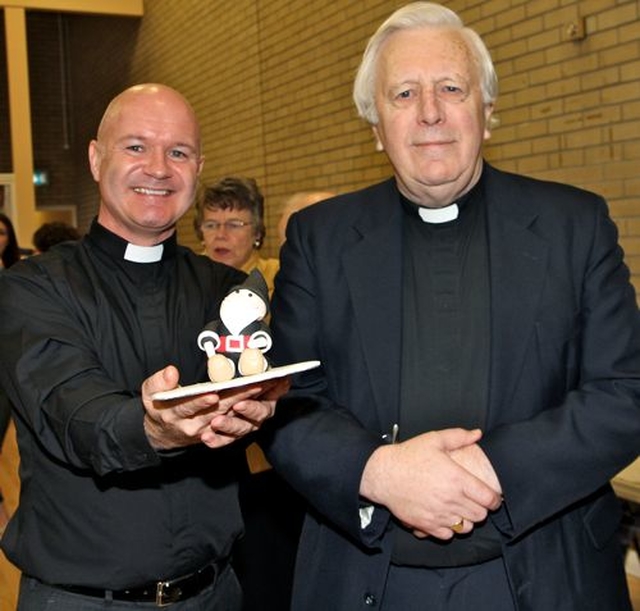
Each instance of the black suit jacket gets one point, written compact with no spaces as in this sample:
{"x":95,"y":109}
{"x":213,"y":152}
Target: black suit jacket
{"x":564,"y":401}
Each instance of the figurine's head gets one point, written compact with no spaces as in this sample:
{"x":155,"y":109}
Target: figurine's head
{"x":245,"y":303}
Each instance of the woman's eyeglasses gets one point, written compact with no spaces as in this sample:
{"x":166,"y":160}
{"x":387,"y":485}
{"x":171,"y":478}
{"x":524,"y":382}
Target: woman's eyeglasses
{"x":231,"y":225}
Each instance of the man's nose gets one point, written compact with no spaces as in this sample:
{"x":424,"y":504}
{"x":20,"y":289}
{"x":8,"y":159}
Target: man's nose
{"x":157,"y":164}
{"x":431,"y":107}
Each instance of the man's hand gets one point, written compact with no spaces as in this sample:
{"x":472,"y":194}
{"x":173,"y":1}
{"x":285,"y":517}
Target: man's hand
{"x":419,"y":481}
{"x":215,"y":419}
{"x":248,"y":411}
{"x":474,"y":460}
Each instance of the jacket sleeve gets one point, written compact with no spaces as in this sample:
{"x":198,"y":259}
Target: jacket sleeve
{"x":581,"y":379}
{"x":316,"y":444}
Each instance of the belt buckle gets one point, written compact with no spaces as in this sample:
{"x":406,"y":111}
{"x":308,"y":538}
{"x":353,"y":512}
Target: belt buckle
{"x":166,"y":596}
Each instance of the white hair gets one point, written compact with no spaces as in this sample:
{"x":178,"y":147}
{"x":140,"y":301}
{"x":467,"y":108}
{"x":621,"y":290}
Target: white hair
{"x":413,"y":16}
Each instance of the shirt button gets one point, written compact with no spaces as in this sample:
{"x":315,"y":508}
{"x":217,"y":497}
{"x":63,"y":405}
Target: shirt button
{"x":370,"y":600}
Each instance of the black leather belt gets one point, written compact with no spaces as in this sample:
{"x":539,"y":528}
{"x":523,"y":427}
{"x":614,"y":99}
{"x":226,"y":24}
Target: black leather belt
{"x":162,"y":593}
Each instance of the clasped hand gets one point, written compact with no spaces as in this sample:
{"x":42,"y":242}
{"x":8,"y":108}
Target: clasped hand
{"x":432,"y":481}
{"x":214,"y":419}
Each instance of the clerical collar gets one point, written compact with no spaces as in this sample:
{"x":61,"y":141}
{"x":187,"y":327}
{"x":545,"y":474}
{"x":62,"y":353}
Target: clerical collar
{"x":143,"y":254}
{"x":438,"y":216}
{"x":120,"y":249}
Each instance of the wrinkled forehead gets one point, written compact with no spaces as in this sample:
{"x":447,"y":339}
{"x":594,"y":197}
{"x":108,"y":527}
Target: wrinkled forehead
{"x":439,"y":49}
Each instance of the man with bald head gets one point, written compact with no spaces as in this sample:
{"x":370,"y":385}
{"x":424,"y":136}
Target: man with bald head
{"x":125,"y":500}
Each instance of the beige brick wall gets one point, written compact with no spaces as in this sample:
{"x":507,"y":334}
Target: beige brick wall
{"x":271,"y":81}
{"x":569,"y":109}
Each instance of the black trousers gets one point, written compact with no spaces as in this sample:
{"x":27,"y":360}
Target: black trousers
{"x":482,"y":587}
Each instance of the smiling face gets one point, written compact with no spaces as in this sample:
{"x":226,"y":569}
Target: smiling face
{"x":432,"y":120}
{"x":146,"y":159}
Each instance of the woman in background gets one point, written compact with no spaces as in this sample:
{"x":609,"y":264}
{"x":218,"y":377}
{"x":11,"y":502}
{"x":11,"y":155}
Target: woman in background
{"x":9,"y":249}
{"x":9,"y":254}
{"x":229,"y":222}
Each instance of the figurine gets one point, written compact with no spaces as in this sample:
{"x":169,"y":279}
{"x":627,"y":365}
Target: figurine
{"x":235,"y":344}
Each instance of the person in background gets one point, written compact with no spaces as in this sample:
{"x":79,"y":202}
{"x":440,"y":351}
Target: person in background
{"x":9,"y":254}
{"x":9,"y":249}
{"x":52,"y":233}
{"x":229,"y":221}
{"x":480,"y":347}
{"x":126,"y":501}
{"x":296,"y":202}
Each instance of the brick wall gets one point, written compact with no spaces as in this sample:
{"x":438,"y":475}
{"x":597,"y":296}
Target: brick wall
{"x":101,"y":51}
{"x":569,"y":109}
{"x":271,"y":81}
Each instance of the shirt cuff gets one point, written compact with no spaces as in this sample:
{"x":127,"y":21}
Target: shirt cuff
{"x":366,"y":516}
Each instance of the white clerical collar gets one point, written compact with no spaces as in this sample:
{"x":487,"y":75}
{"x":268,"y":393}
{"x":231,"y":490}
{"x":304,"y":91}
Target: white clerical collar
{"x":439,"y":215}
{"x":143,"y":254}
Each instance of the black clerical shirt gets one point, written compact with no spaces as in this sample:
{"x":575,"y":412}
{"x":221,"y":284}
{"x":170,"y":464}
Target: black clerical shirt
{"x":445,"y":351}
{"x":81,"y":328}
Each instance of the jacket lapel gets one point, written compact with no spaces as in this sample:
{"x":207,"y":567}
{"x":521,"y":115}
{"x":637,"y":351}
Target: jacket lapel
{"x":373,"y":267}
{"x":518,"y":264}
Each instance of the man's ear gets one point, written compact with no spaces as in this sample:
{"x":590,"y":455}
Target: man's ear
{"x":379,"y":145}
{"x":489,"y":120}
{"x":95,"y":158}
